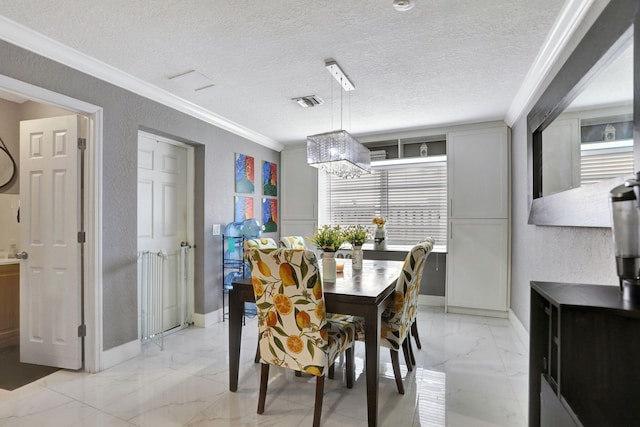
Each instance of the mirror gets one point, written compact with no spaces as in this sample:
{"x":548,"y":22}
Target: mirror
{"x":571,"y":124}
{"x":592,"y":139}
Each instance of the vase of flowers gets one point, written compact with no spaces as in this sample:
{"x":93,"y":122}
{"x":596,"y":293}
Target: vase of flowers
{"x":380,"y":236}
{"x":356,"y":235}
{"x":328,"y":239}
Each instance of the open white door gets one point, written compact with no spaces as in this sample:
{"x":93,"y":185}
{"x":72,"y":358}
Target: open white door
{"x":50,"y":304}
{"x":162,"y":216}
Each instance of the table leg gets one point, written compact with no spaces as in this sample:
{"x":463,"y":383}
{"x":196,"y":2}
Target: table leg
{"x":372,"y":359}
{"x":236,"y":308}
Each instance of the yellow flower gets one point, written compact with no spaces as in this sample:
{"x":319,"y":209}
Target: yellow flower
{"x":379,"y":221}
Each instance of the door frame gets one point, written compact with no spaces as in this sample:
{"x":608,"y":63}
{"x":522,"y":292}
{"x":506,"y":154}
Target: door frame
{"x":190,"y":216}
{"x":93,"y":355}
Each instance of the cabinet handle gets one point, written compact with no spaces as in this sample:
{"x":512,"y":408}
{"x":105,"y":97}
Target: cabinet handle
{"x":451,"y":203}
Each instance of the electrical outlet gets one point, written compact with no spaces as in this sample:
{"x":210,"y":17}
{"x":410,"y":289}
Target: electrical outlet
{"x":215,"y":229}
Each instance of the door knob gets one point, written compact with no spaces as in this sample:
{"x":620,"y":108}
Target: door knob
{"x":22,"y":255}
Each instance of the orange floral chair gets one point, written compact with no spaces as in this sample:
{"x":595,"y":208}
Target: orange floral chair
{"x":294,"y":331}
{"x":399,"y":318}
{"x":293,"y":242}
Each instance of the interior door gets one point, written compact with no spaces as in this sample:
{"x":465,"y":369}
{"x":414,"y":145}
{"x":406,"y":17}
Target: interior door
{"x":162,"y":215}
{"x":50,"y":303}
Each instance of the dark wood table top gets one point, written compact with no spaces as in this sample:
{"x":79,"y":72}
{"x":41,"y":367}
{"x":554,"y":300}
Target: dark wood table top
{"x":370,"y":285}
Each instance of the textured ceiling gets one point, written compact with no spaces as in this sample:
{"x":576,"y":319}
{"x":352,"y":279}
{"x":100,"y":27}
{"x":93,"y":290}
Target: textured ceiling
{"x":442,"y":62}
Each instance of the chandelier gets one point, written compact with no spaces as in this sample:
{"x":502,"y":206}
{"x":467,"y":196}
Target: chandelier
{"x":337,"y":152}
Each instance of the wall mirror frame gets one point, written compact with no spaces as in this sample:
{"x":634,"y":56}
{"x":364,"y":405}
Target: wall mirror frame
{"x":586,"y":206}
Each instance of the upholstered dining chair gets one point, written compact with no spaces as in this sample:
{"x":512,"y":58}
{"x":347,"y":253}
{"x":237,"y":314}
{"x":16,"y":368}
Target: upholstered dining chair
{"x":294,"y":331}
{"x":293,"y":242}
{"x":398,"y":319}
{"x":260,"y":243}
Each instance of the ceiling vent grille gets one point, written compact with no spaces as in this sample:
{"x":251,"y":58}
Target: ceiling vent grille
{"x":309,"y":101}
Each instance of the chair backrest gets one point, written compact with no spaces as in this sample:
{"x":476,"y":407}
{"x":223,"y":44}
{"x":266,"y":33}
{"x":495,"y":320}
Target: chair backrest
{"x":260,"y":243}
{"x":293,"y":242}
{"x":292,"y":323}
{"x":402,"y":313}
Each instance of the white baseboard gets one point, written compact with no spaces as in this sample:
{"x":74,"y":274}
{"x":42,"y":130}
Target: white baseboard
{"x":478,"y":312}
{"x":122,"y":353}
{"x":521,"y":331}
{"x":431,"y":300}
{"x":207,"y":319}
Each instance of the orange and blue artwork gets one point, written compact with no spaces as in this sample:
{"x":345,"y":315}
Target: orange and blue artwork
{"x":245,"y":181}
{"x":269,"y":179}
{"x":243,"y":208}
{"x":269,"y":215}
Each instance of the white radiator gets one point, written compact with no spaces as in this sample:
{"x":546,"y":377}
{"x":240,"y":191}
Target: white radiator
{"x":151,"y":277}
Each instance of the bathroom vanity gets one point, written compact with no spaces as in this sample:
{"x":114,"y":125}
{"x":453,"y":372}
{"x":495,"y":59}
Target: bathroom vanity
{"x":9,"y":303}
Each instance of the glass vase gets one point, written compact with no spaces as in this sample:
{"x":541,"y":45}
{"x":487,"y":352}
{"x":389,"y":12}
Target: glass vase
{"x":356,"y":257}
{"x":329,"y":266}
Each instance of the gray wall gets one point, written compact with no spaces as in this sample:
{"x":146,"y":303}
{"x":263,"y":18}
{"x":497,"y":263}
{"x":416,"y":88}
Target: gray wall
{"x":564,"y":254}
{"x":124,"y":114}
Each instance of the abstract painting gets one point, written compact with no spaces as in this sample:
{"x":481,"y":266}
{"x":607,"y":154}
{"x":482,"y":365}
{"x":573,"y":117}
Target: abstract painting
{"x":244,"y":174}
{"x":269,"y":179}
{"x":243,"y":208}
{"x":269,"y":215}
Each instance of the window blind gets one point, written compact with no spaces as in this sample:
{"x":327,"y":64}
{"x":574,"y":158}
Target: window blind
{"x":413,"y":199}
{"x":600,"y":165}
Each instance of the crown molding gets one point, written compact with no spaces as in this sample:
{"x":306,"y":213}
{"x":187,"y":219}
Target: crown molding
{"x":40,"y":44}
{"x":566,"y":23}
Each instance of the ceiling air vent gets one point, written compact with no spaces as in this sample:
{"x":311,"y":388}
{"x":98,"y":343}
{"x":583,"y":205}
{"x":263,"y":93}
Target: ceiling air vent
{"x":309,"y":101}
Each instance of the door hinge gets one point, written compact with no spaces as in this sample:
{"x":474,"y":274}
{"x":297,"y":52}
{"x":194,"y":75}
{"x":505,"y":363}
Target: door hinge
{"x":82,"y":236}
{"x":82,"y":331}
{"x":82,"y":143}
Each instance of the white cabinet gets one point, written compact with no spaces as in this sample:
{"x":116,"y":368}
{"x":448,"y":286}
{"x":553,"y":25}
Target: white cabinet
{"x":561,"y":157}
{"x":477,"y":264}
{"x":478,"y":238}
{"x":478,"y":163}
{"x":299,"y":201}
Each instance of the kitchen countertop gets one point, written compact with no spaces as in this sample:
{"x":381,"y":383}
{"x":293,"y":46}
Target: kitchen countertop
{"x":6,"y":261}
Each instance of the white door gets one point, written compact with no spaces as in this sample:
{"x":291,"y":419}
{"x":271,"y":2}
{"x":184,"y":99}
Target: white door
{"x":162,"y":215}
{"x":50,"y":305}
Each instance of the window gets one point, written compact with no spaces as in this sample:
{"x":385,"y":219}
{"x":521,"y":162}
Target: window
{"x":412,"y":197}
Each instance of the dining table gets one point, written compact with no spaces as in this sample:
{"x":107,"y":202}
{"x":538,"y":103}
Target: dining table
{"x":365,"y":292}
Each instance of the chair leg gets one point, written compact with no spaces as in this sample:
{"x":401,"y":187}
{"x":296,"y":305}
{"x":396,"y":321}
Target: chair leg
{"x":264,"y":378}
{"x":414,"y":332}
{"x":317,"y":412}
{"x":332,"y":371}
{"x":351,"y":366}
{"x":413,"y":359}
{"x":407,"y":355}
{"x":257,"y":358}
{"x":395,"y":362}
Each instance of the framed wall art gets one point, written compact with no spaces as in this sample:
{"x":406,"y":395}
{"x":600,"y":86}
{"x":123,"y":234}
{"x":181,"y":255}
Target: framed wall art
{"x":269,"y":215}
{"x":243,"y":208}
{"x":244,"y":170}
{"x":269,"y":179}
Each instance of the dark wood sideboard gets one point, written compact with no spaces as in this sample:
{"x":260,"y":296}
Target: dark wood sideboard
{"x":584,"y":356}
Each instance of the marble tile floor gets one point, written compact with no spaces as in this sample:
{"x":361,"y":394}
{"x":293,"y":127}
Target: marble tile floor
{"x":471,"y":371}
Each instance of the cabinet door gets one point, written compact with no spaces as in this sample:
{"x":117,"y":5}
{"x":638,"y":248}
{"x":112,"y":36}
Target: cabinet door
{"x":561,"y":159}
{"x":299,"y":186}
{"x":477,"y":264}
{"x":478,"y":163}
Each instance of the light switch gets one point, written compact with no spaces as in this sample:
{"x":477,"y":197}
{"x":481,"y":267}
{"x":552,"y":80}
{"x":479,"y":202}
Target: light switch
{"x":215,"y":229}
